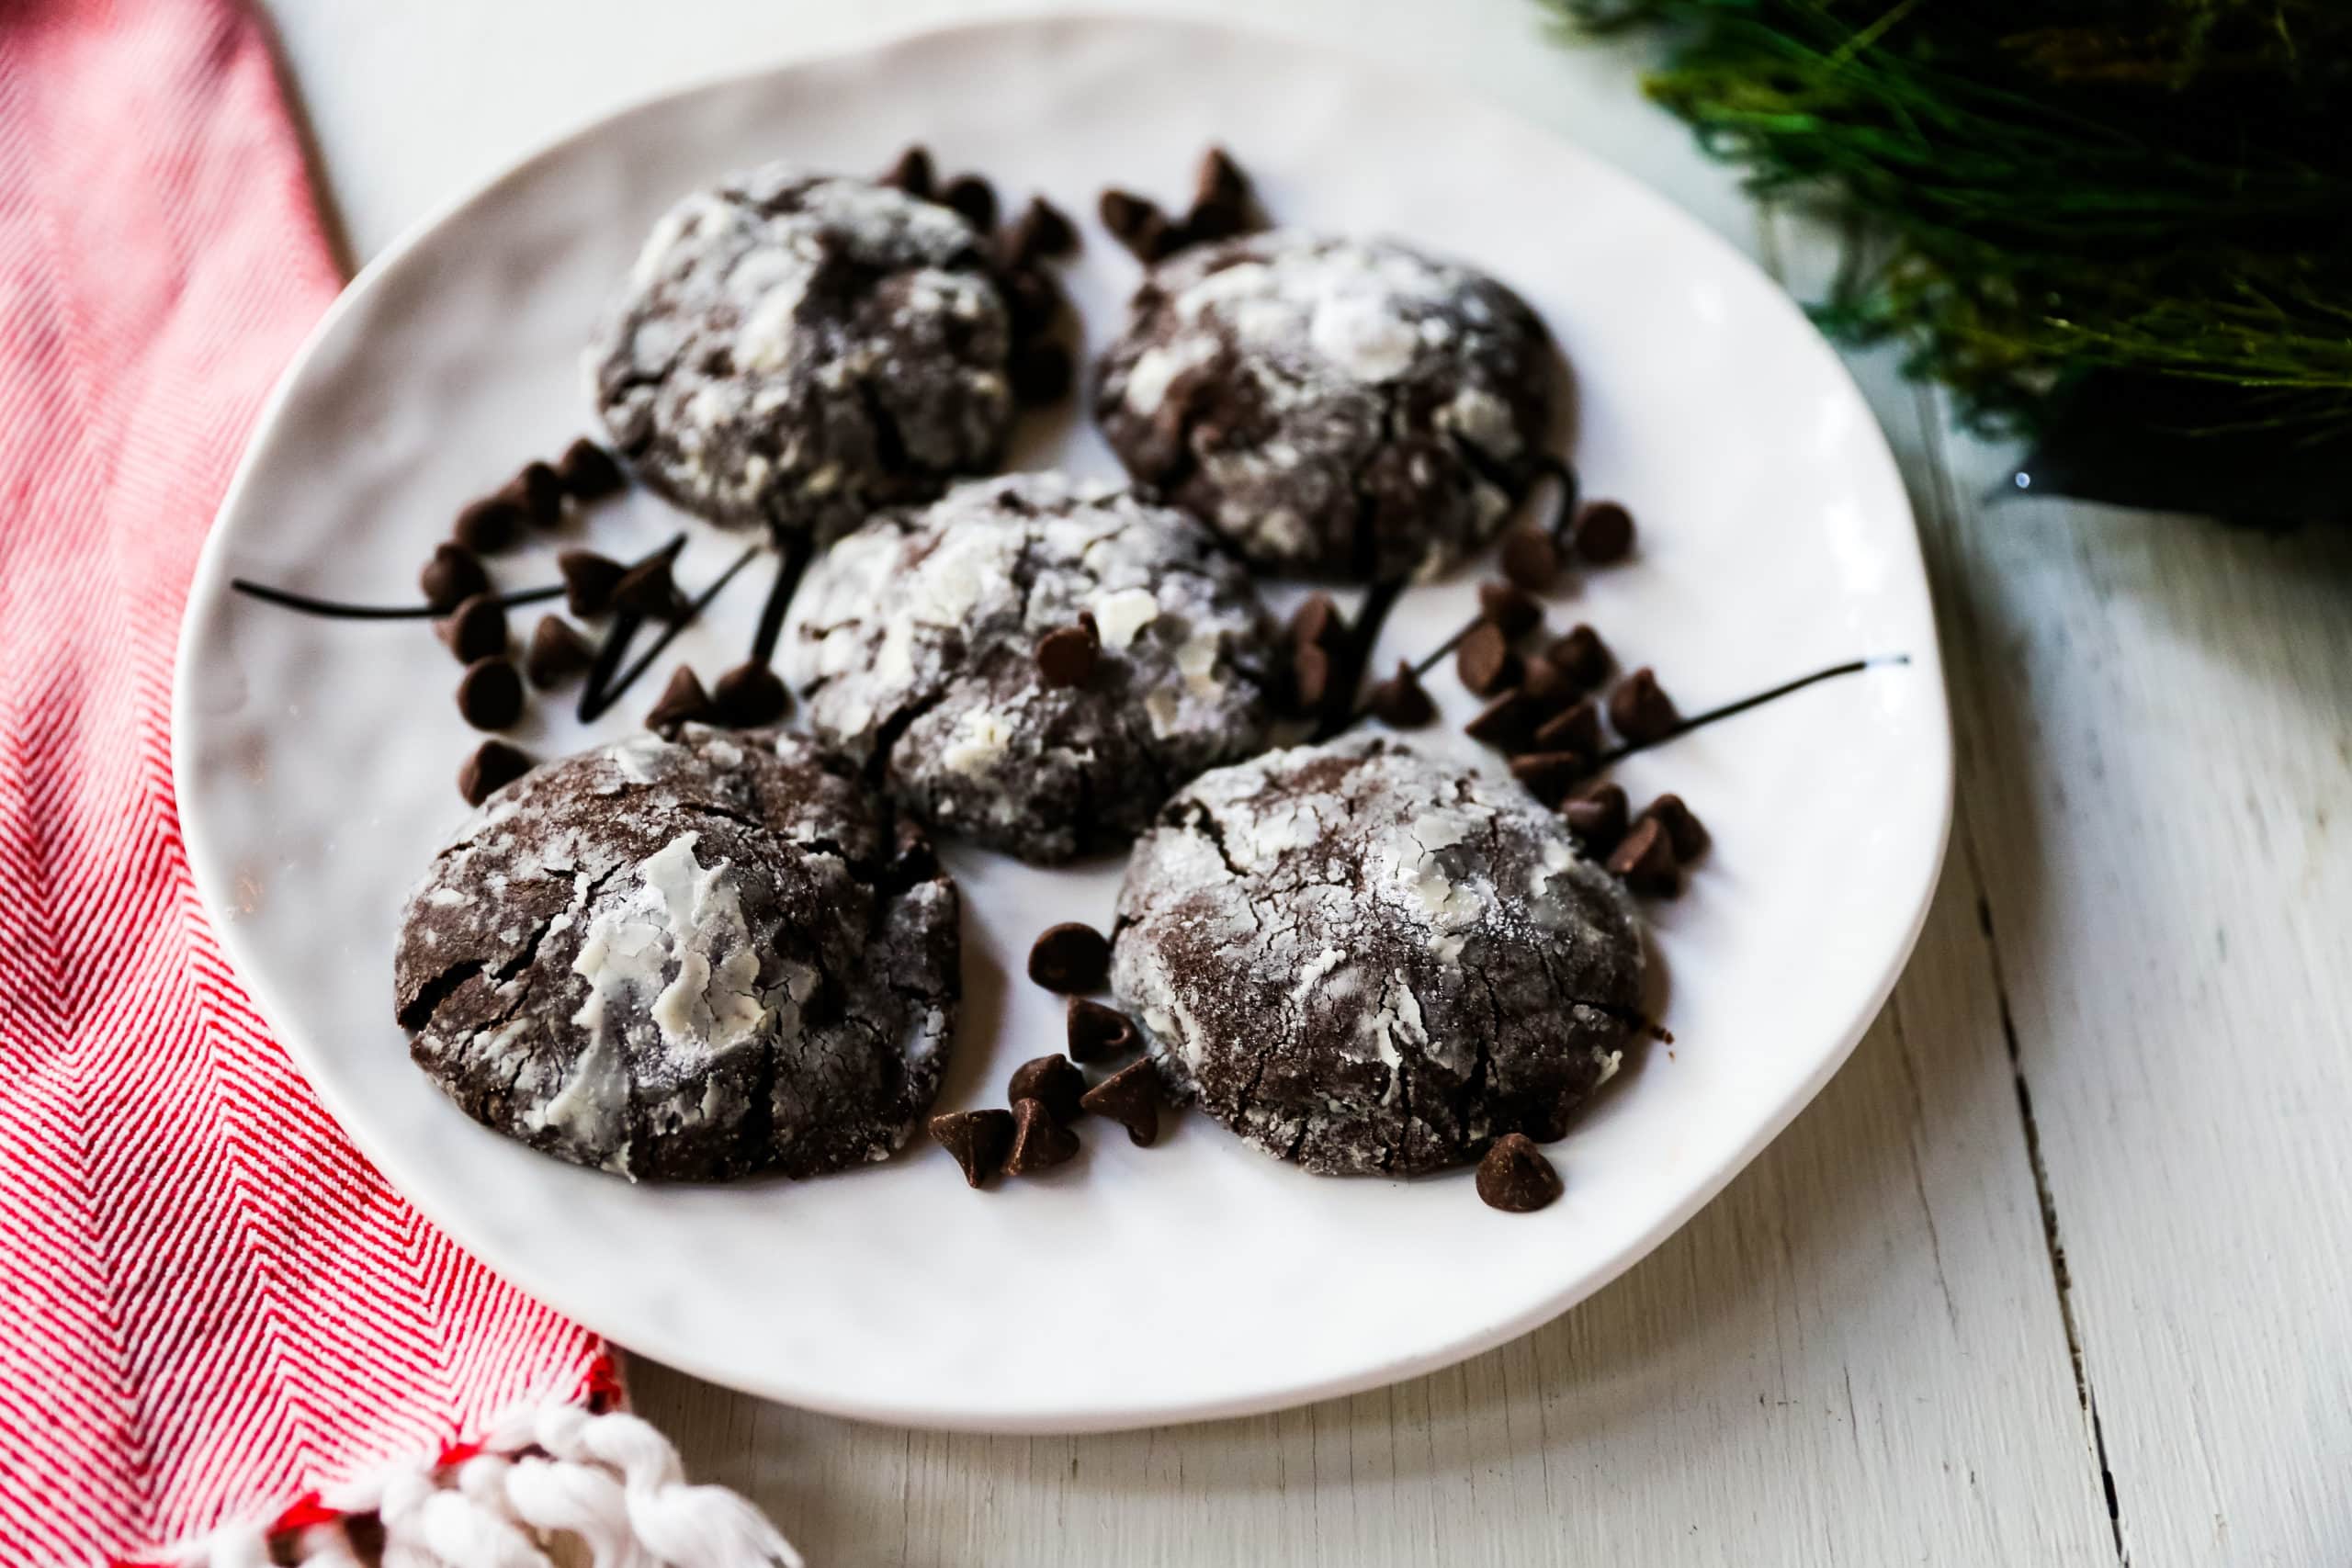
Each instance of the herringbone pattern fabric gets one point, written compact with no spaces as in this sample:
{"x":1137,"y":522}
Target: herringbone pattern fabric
{"x":209,"y":1302}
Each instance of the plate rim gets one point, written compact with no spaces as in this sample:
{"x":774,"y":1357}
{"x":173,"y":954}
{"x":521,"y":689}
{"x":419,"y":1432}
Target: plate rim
{"x":208,"y":582}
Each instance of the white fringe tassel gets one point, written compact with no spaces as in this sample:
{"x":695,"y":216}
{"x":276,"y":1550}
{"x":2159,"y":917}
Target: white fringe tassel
{"x":552,"y":1487}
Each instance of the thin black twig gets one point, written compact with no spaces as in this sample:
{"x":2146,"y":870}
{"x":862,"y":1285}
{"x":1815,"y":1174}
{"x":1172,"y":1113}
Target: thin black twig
{"x":797,"y":549}
{"x":695,"y":607}
{"x":333,"y":610}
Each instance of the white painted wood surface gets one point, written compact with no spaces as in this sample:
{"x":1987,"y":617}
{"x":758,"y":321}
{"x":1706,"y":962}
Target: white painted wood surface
{"x":2056,"y":1271}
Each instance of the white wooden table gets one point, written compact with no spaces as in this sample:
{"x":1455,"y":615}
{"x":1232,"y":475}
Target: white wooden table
{"x":2059,"y":1268}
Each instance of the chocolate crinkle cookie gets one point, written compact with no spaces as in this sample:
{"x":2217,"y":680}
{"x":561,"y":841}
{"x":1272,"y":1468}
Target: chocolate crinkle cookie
{"x":1367,"y":957}
{"x":798,"y":349}
{"x":1032,"y":661}
{"x":1333,"y":406}
{"x":686,"y":960}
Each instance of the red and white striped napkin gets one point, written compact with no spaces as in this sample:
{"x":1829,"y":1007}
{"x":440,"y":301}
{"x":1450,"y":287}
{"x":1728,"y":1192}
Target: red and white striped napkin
{"x":220,"y":1331}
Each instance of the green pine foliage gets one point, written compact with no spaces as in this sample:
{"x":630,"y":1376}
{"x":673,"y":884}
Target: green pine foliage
{"x":2039,"y":189}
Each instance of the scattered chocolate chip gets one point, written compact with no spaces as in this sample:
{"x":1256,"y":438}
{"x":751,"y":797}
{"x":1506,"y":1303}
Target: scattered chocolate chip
{"x":1401,"y":702}
{"x":1575,"y":728}
{"x":1545,"y":686}
{"x":539,"y":490}
{"x":1097,"y":1034}
{"x":1603,"y":532}
{"x":1066,"y":656}
{"x":1531,"y":559}
{"x":1507,"y":723}
{"x":1581,"y":656}
{"x":490,"y":525}
{"x":1033,"y":300}
{"x":589,"y":472}
{"x":1683,"y":829}
{"x":589,"y":580}
{"x":492,"y":766}
{"x":1515,"y":1176}
{"x":476,"y":629}
{"x":1310,"y":679}
{"x":1596,"y":815}
{"x":1549,"y":775}
{"x":1042,"y":230}
{"x":1644,"y":858}
{"x":1640,"y":708}
{"x":1131,"y":1098}
{"x":451,"y":577}
{"x":912,"y":172}
{"x":1041,"y":372}
{"x":978,"y":1139}
{"x":649,"y":589}
{"x":489,"y":694}
{"x":1054,"y":1080}
{"x":749,"y":696}
{"x":1219,"y":181}
{"x":1316,"y":622}
{"x":1485,"y":661}
{"x":1069,"y":957}
{"x":974,"y":198}
{"x":1137,"y":224}
{"x":683,"y":701}
{"x":1509,"y":607}
{"x":557,"y":653}
{"x":1039,"y":1141}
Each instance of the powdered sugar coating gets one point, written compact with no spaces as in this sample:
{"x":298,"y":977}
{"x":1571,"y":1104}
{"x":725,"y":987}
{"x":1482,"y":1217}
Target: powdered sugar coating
{"x":914,"y":640}
{"x":1368,"y":957}
{"x":798,"y":349}
{"x":1331,"y":406}
{"x":684,"y":959}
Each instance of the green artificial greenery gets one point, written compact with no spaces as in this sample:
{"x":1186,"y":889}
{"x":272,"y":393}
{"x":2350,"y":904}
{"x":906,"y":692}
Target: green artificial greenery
{"x":2042,"y":190}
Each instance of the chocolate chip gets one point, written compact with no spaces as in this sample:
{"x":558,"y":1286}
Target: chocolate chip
{"x":1515,"y":1176}
{"x":476,"y":629}
{"x":589,"y":580}
{"x":557,"y":653}
{"x":539,"y":490}
{"x":1596,"y":815}
{"x":1531,"y":559}
{"x":451,"y":577}
{"x":1069,"y":957}
{"x":749,"y":696}
{"x":1640,"y":708}
{"x":1066,"y":656}
{"x":1574,"y":728}
{"x":1485,"y":661}
{"x":1041,"y":372}
{"x":978,"y":1139}
{"x":1042,"y":230}
{"x":912,"y":172}
{"x":489,"y":694}
{"x":1400,"y":702}
{"x":1507,"y":723}
{"x":1545,"y":686}
{"x":1208,"y":220}
{"x":490,"y":525}
{"x":683,"y":701}
{"x":492,"y":766}
{"x":1131,"y":1098}
{"x":1645,"y":860}
{"x":589,"y":472}
{"x":1683,"y":829}
{"x":1097,"y":1034}
{"x":1039,"y":1141}
{"x":1509,"y":607}
{"x":1055,"y":1080}
{"x":974,"y":198}
{"x":1219,"y":181}
{"x":1581,"y":656}
{"x":1316,"y":622}
{"x":1603,"y":532}
{"x":647,"y":589}
{"x":1033,"y":300}
{"x":1549,"y":775}
{"x":1310,"y":679}
{"x":1137,"y":223}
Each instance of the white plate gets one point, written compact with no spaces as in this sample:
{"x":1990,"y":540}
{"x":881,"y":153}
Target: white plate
{"x":1198,"y":1278}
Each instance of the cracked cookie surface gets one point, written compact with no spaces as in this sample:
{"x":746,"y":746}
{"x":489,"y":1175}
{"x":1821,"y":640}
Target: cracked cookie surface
{"x":684,"y":960}
{"x":915,"y":642}
{"x":798,"y":349}
{"x":1368,"y":957}
{"x":1332,"y":407}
